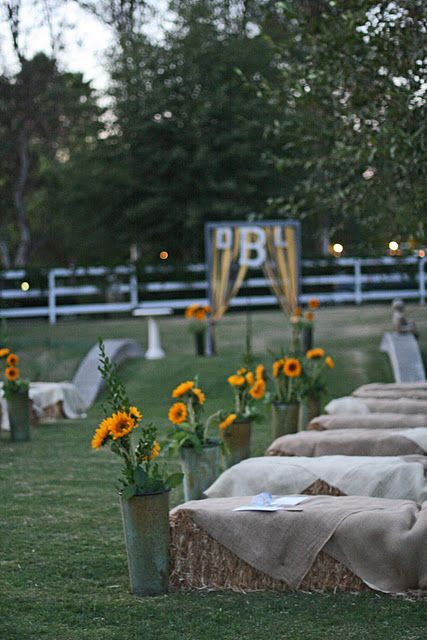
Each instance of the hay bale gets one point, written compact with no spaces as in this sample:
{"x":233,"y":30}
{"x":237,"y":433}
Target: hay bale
{"x":197,"y":561}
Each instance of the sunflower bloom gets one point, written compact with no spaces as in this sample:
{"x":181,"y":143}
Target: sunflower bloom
{"x":309,"y":315}
{"x":12,"y":360}
{"x":189,"y":312}
{"x":12,"y":373}
{"x":182,"y":388}
{"x":101,"y":434}
{"x":260,"y":372}
{"x":155,"y":450}
{"x":258,"y":390}
{"x":292,"y":368}
{"x":135,"y":414}
{"x":242,"y":371}
{"x":4,"y":352}
{"x":207,"y":308}
{"x":200,"y":314}
{"x":121,"y":423}
{"x":199,"y":395}
{"x":329,"y":362}
{"x":227,"y":421}
{"x":277,"y":366}
{"x":298,"y":312}
{"x":250,"y":378}
{"x":236,"y":381}
{"x":313,"y":354}
{"x":178,"y":413}
{"x":314,"y":303}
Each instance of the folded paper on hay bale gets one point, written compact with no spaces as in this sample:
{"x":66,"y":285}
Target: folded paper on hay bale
{"x":382,"y":477}
{"x":352,"y":442}
{"x":367,"y":421}
{"x":339,"y":543}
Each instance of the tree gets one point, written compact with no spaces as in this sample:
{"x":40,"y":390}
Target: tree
{"x":353,"y":128}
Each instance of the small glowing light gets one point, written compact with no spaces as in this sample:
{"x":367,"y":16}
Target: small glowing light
{"x":25,"y":286}
{"x":368,"y":173}
{"x":338,"y":248}
{"x":163,"y":255}
{"x":393,"y":245}
{"x":421,"y":253}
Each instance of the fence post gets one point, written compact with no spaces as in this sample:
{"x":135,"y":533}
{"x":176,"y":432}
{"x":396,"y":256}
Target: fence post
{"x":422,"y":281}
{"x":357,"y":281}
{"x":52,"y":297}
{"x":133,"y":288}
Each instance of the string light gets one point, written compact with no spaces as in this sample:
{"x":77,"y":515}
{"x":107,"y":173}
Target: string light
{"x":393,"y":245}
{"x":163,"y":255}
{"x":25,"y":286}
{"x":338,"y":248}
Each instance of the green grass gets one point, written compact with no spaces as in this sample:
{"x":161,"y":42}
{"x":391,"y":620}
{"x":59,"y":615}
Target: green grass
{"x":62,"y":557}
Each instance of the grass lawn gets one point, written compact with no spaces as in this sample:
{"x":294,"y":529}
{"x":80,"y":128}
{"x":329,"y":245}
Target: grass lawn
{"x":62,"y":557}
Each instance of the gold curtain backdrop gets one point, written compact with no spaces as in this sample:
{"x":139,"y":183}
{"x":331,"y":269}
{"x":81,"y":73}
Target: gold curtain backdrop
{"x":281,"y":268}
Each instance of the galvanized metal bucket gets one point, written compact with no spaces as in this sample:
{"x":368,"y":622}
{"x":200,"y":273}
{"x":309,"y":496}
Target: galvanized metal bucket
{"x":309,"y":409}
{"x":146,"y":529}
{"x":284,"y":419}
{"x":18,"y":406}
{"x":200,"y":469}
{"x":237,"y":438}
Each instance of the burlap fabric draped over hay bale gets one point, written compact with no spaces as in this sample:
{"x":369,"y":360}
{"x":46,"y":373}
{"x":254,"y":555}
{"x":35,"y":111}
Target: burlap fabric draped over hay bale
{"x":394,"y":477}
{"x":413,"y":390}
{"x":352,"y":442}
{"x":367,"y":421}
{"x":324,"y":542}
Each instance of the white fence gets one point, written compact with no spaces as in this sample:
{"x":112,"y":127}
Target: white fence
{"x":105,"y":290}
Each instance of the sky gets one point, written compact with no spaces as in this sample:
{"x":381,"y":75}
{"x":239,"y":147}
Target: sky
{"x":86,"y":39}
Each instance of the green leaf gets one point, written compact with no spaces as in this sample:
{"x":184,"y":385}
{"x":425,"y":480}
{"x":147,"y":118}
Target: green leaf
{"x":174,"y":480}
{"x":129,"y":491}
{"x":140,"y":476}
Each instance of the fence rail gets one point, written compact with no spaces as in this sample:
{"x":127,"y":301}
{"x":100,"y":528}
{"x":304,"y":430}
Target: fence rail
{"x":118,"y":290}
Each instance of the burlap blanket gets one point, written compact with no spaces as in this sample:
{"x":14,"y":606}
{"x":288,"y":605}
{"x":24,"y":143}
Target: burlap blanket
{"x":367,"y":421}
{"x":381,"y":477}
{"x":47,"y":394}
{"x":413,"y":390}
{"x":392,"y":405}
{"x":351,"y":442}
{"x":381,"y":541}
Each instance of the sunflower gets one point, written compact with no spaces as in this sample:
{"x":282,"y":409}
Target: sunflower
{"x":207,"y":308}
{"x":314,"y":303}
{"x":4,"y":352}
{"x":309,"y":315}
{"x":189,"y":312}
{"x":329,"y":362}
{"x":200,"y":314}
{"x":227,"y":421}
{"x":135,"y":414}
{"x":260,"y":372}
{"x":12,"y":373}
{"x":292,"y":368}
{"x":178,"y":413}
{"x":102,"y":434}
{"x":258,"y":390}
{"x":236,"y":381}
{"x":199,"y":395}
{"x":313,"y":354}
{"x":277,"y":366}
{"x":12,"y":359}
{"x":250,"y":378}
{"x":120,"y":423}
{"x":242,"y":371}
{"x":182,"y":388}
{"x":298,"y":312}
{"x":155,"y":450}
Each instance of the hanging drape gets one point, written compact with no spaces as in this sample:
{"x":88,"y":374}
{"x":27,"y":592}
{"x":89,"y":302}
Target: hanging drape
{"x":227,"y":274}
{"x":281,"y":266}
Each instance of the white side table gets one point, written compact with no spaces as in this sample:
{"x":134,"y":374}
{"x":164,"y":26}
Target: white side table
{"x":154,"y":349}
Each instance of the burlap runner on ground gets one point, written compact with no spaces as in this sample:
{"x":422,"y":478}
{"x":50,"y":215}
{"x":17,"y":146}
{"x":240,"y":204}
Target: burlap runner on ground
{"x":367,"y":421}
{"x":414,"y":390}
{"x":382,"y":477}
{"x":381,"y":541}
{"x":349,"y":442}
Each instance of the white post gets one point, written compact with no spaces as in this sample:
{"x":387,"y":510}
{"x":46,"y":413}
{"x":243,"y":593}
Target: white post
{"x":422,"y":280}
{"x":357,"y":282}
{"x":133,"y":288}
{"x":52,"y":297}
{"x":154,"y":351}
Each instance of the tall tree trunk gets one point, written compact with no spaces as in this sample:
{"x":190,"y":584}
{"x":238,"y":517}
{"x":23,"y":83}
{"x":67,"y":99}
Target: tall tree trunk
{"x":23,"y":250}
